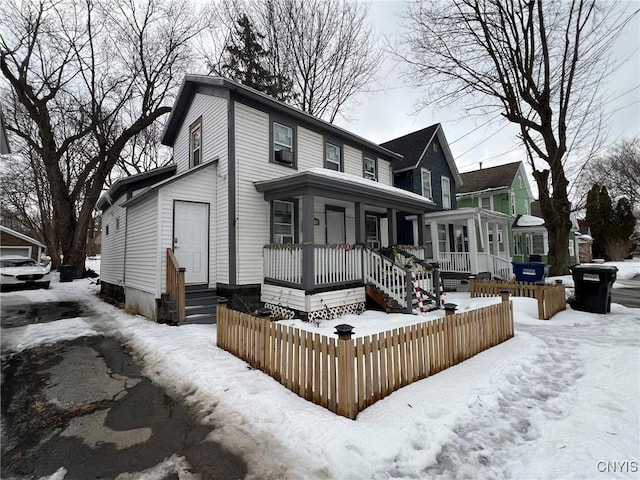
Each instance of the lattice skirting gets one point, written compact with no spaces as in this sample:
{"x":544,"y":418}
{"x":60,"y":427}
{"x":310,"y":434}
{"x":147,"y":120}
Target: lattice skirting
{"x":283,"y":313}
{"x":336,"y":312}
{"x":279,"y":312}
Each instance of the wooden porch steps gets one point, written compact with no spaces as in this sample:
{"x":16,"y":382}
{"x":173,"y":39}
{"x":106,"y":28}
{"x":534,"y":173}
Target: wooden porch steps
{"x":200,"y":308}
{"x":388,"y":304}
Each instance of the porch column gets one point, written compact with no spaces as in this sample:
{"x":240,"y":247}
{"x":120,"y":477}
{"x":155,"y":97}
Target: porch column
{"x":496,"y":244}
{"x":473,"y":245}
{"x":421,"y":230}
{"x":360,"y":224}
{"x":434,"y":241}
{"x":308,"y":265}
{"x":506,"y":233}
{"x":392,"y":226}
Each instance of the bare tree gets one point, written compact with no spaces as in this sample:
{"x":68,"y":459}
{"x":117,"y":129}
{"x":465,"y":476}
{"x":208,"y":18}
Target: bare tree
{"x":540,"y":62}
{"x":324,"y":47}
{"x":90,"y":76}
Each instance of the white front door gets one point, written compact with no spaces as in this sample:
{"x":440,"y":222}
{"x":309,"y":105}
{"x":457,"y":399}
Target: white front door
{"x":191,"y":240}
{"x":335,"y":226}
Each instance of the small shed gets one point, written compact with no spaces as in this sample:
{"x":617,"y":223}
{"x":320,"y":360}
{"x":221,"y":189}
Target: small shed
{"x":16,"y":243}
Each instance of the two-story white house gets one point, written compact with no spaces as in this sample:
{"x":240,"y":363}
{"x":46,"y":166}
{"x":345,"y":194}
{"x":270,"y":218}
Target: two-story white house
{"x":265,"y":202}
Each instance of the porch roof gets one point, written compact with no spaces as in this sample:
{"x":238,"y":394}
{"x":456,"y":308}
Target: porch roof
{"x":327,"y":183}
{"x":471,"y":212}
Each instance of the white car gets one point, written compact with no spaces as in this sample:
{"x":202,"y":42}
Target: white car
{"x":23,"y":271}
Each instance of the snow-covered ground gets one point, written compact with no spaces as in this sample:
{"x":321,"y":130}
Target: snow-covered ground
{"x":559,"y":400}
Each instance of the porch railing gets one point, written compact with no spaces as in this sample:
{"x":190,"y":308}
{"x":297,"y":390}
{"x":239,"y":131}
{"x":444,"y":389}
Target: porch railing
{"x":283,"y":263}
{"x":388,"y":276}
{"x":175,"y":284}
{"x":335,"y":264}
{"x":455,"y":262}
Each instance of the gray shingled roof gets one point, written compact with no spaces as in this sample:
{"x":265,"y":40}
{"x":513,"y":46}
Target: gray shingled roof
{"x":487,"y":178}
{"x":410,"y":146}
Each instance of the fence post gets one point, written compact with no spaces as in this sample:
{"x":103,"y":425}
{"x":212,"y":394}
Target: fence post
{"x":540,"y":298}
{"x":408,"y":280}
{"x":346,"y":372}
{"x":265,"y":321}
{"x":450,"y":308}
{"x":504,"y":293}
{"x":222,"y":328}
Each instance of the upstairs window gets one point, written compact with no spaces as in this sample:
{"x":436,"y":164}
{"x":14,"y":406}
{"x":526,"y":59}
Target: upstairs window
{"x":425,"y":178}
{"x":283,"y":143}
{"x":486,"y":203}
{"x":370,"y":170}
{"x":446,"y":193}
{"x":195,"y":143}
{"x":333,"y":157}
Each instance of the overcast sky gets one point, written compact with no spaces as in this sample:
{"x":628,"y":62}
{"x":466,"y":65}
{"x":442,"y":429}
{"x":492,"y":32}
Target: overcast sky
{"x":388,"y":113}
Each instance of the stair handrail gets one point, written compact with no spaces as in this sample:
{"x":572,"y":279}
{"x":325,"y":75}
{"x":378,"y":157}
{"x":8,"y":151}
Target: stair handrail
{"x":412,"y":259}
{"x":176,"y":285}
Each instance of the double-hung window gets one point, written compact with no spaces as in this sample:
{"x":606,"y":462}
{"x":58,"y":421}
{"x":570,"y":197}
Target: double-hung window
{"x":370,"y":172}
{"x":283,"y":143}
{"x":333,"y":157}
{"x":195,"y":143}
{"x":486,"y":203}
{"x":446,"y":193}
{"x":283,"y":222}
{"x":425,"y":178}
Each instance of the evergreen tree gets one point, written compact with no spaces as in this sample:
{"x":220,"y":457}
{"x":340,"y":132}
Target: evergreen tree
{"x":625,"y":222}
{"x":246,"y":61}
{"x":599,"y":217}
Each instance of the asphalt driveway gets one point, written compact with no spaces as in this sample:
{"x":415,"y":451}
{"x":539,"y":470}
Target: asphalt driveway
{"x":84,"y":405}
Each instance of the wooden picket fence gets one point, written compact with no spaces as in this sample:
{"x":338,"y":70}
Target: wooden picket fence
{"x":551,"y":297}
{"x":347,"y":375}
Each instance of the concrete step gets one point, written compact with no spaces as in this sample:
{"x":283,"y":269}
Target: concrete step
{"x":199,"y":319}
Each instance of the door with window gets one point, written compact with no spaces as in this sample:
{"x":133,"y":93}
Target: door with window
{"x":191,"y":240}
{"x":283,"y":221}
{"x":336,"y":233}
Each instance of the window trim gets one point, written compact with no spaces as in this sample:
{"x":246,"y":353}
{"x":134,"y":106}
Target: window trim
{"x":490,"y":197}
{"x":375,"y":167}
{"x":446,"y":180}
{"x":335,"y":143}
{"x":273,"y":119}
{"x":377,"y":216}
{"x":193,"y":128}
{"x":422,"y":173}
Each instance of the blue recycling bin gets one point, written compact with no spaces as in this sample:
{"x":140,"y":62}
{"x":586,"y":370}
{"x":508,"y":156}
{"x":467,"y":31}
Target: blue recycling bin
{"x":529,"y":271}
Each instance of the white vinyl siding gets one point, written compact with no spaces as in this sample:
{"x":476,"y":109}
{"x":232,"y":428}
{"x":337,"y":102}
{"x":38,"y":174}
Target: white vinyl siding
{"x":384,"y":172}
{"x":112,"y":248}
{"x":213,"y":111}
{"x":352,"y":161}
{"x":252,"y":211}
{"x":142,"y":256}
{"x":199,"y":187}
{"x":310,"y":145}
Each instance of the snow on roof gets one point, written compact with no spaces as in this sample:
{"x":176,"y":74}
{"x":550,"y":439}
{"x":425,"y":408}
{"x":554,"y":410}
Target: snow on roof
{"x":348,"y":178}
{"x":529,"y":221}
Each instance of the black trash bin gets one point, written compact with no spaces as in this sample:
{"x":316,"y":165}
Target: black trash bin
{"x":593,"y":286}
{"x":66,"y":273}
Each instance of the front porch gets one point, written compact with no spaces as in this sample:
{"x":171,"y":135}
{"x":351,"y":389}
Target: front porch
{"x":326,"y":228}
{"x":465,"y":242}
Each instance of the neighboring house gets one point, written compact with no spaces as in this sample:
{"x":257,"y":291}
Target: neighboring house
{"x":463,"y":241}
{"x":16,"y":243}
{"x":531,"y":235}
{"x":266,"y":203}
{"x":505,"y":191}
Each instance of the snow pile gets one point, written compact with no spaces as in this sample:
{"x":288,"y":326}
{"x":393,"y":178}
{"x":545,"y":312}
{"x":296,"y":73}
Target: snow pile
{"x":554,"y":402}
